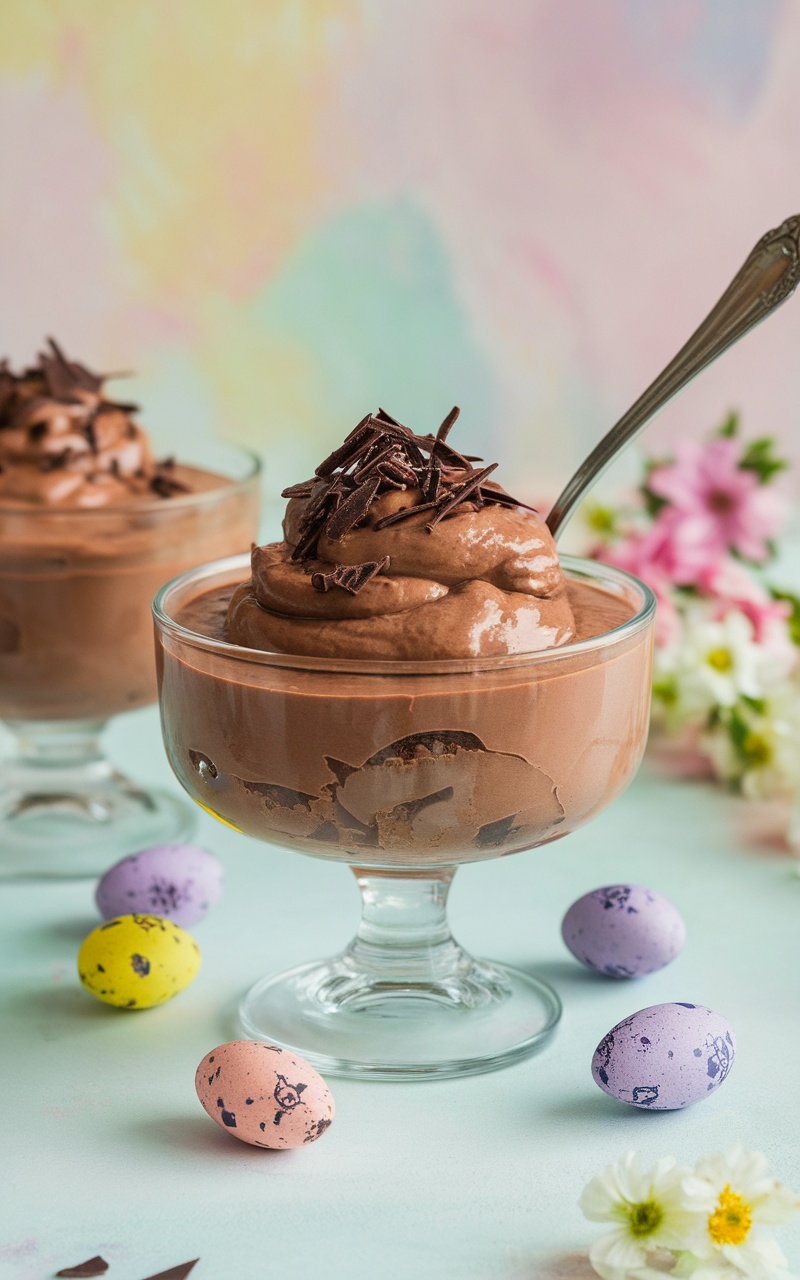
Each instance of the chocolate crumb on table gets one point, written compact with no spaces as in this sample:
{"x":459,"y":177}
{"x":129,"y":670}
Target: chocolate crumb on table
{"x":95,"y":1266}
{"x":179,"y":1272}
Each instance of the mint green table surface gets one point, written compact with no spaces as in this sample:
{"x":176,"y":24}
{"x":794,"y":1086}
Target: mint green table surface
{"x":105,"y":1148}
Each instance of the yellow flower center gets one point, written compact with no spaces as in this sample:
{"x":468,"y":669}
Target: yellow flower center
{"x":731,"y":1220}
{"x":644,"y":1218}
{"x":601,"y":519}
{"x":756,"y":749}
{"x":720,"y":659}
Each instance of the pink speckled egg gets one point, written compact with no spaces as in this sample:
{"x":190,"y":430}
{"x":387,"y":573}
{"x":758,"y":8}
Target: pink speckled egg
{"x":665,"y":1057}
{"x":179,"y":882}
{"x":623,"y":930}
{"x":264,"y":1095}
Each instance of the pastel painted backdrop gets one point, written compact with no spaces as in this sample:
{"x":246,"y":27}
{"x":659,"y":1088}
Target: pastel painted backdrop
{"x":281,"y":213}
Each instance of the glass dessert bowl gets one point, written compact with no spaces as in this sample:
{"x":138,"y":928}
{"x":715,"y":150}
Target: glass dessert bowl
{"x":404,"y":770}
{"x":90,"y":527}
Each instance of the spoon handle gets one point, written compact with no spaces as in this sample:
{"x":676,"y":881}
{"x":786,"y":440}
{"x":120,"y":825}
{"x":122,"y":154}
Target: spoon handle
{"x":768,"y":277}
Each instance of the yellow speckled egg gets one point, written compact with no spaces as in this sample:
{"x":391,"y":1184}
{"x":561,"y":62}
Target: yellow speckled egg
{"x":136,"y":961}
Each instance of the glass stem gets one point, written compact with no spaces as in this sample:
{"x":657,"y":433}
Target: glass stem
{"x":404,"y":936}
{"x":55,"y":746}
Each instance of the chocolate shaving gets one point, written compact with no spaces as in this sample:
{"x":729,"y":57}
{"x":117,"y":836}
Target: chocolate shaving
{"x":379,"y":455}
{"x":345,"y":450}
{"x":303,"y":490}
{"x":462,"y":493}
{"x":55,"y":461}
{"x":180,"y":1272}
{"x":372,"y":460}
{"x":63,"y":376}
{"x":90,"y":431}
{"x":352,"y":510}
{"x":505,"y":499}
{"x":397,"y":473}
{"x":165,"y":485}
{"x":448,"y":423}
{"x":351,"y":577}
{"x":95,"y":1266}
{"x":403,"y":514}
{"x":387,"y":417}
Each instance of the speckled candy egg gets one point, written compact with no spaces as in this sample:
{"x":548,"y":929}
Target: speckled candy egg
{"x":137,"y":961}
{"x":665,"y":1057}
{"x":264,"y":1095}
{"x":624,"y":931}
{"x":181,"y":882}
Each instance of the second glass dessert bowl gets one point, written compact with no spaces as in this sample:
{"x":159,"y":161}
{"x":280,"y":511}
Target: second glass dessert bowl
{"x":76,"y":586}
{"x":404,"y":770}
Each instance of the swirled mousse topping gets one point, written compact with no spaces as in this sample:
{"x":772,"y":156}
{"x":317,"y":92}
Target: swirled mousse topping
{"x":64,"y":443}
{"x":400,"y":548}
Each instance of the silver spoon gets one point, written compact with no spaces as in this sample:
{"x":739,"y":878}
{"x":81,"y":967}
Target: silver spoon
{"x":768,"y":277}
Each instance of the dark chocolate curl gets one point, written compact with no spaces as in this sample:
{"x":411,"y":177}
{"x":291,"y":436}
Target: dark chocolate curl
{"x":448,"y":423}
{"x":352,"y":510}
{"x":351,"y":577}
{"x":466,"y":489}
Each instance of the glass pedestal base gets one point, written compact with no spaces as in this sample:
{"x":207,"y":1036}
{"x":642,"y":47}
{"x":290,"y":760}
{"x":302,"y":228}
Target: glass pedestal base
{"x":404,"y":1034}
{"x":65,"y":812}
{"x":404,"y":1001}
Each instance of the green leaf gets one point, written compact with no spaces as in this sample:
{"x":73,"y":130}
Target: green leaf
{"x":759,"y":457}
{"x":652,"y":464}
{"x":730,"y":426}
{"x":666,"y":690}
{"x":738,"y":730}
{"x":753,"y":564}
{"x":652,"y":501}
{"x":794,"y":617}
{"x":758,"y":705}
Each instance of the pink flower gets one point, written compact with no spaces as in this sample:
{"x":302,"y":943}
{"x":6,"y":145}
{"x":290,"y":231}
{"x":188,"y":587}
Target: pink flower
{"x":648,"y":556}
{"x":722,"y":506}
{"x":670,"y":549}
{"x":734,"y":588}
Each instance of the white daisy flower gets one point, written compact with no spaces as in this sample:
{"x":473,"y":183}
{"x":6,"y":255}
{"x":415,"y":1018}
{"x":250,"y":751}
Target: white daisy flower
{"x":721,"y":661}
{"x":758,"y":746}
{"x":738,"y":1198}
{"x":651,"y":1211}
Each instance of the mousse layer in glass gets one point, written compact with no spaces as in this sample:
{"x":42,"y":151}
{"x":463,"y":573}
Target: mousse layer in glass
{"x":91,"y":525}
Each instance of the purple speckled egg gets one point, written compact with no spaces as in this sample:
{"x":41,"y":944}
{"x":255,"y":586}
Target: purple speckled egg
{"x":623,"y":930}
{"x":665,"y":1057}
{"x":180,"y":882}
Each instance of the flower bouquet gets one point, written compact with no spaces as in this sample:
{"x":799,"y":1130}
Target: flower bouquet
{"x":712,"y":1222}
{"x":700,"y":529}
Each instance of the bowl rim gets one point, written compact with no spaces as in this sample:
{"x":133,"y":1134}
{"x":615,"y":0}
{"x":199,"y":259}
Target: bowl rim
{"x":576,"y":566}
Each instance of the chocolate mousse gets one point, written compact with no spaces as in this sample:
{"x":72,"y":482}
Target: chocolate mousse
{"x":400,"y":548}
{"x":409,"y":678}
{"x":91,"y":525}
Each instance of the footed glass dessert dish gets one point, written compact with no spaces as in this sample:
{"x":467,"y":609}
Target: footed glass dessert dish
{"x":404,"y":770}
{"x":76,"y":586}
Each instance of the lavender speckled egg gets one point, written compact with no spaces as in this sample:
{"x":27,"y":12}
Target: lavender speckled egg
{"x":180,"y":882}
{"x":623,"y":930}
{"x":665,"y":1057}
{"x":264,"y":1095}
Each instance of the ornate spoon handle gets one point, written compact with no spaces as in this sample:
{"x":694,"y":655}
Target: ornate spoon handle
{"x":768,"y":277}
